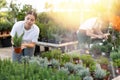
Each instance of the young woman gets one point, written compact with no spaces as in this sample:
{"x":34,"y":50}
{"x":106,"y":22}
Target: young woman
{"x":30,"y":37}
{"x":91,"y":30}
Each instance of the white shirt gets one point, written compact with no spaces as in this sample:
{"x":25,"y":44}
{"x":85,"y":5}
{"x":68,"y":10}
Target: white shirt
{"x":30,"y":35}
{"x":89,"y":24}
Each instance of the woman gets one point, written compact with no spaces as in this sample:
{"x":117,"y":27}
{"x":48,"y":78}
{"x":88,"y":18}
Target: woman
{"x":91,"y":29}
{"x":30,"y":37}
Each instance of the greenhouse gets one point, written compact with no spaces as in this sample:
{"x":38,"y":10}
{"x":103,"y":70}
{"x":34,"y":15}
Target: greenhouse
{"x":60,"y":40}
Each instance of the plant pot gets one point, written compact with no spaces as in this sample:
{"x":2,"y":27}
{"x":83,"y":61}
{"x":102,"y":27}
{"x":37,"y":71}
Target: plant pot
{"x":37,"y":50}
{"x":107,"y":77}
{"x":6,"y":42}
{"x":76,"y":60}
{"x":17,"y":50}
{"x":104,"y":66}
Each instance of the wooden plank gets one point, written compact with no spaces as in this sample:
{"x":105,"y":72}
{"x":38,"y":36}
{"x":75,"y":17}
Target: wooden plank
{"x":56,"y":45}
{"x":4,"y":35}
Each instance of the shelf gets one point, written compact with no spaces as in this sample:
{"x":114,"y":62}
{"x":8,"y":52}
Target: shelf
{"x":4,"y":35}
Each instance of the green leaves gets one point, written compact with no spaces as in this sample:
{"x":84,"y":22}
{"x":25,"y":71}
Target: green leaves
{"x":17,"y":40}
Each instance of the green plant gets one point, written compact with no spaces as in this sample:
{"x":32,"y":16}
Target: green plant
{"x":87,"y":60}
{"x":84,"y":72}
{"x":115,"y":55}
{"x":87,"y":78}
{"x":103,"y":60}
{"x":55,"y":31}
{"x":65,"y":58}
{"x":43,"y":62}
{"x":92,"y":67}
{"x":17,"y":40}
{"x":55,"y":63}
{"x":15,"y":71}
{"x":4,"y":26}
{"x":56,"y":53}
{"x":100,"y":73}
{"x":106,"y":47}
{"x":117,"y":63}
{"x":78,"y":67}
{"x":47,"y":54}
{"x":75,"y":57}
{"x":64,"y":70}
{"x":96,"y":49}
{"x":69,"y":66}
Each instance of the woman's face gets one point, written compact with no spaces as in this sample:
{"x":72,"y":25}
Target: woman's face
{"x":29,"y":21}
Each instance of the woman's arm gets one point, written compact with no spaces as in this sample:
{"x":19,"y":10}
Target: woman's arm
{"x":30,"y":45}
{"x":90,"y":32}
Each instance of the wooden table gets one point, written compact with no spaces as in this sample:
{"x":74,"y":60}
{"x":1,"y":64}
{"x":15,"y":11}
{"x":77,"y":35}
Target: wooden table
{"x":4,"y":35}
{"x":58,"y":46}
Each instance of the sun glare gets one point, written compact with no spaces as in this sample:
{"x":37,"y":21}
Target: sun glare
{"x":71,"y":11}
{"x":75,"y":11}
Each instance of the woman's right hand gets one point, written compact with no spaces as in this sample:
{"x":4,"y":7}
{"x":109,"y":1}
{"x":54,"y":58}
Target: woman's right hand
{"x":100,"y":36}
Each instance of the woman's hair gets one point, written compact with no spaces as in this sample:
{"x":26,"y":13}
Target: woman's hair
{"x":32,"y":13}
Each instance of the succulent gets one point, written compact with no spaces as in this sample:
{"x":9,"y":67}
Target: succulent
{"x":88,"y":78}
{"x":78,"y":67}
{"x":64,"y":70}
{"x":25,"y":59}
{"x":69,"y":66}
{"x":100,"y":73}
{"x":84,"y":72}
{"x":115,"y":55}
{"x":55,"y":63}
{"x":43,"y":62}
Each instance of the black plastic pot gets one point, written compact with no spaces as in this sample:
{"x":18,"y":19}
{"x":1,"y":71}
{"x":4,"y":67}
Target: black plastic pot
{"x":6,"y":42}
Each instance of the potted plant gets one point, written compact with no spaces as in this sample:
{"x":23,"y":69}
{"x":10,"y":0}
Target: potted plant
{"x":76,"y":58}
{"x":116,"y":63}
{"x":88,"y":78}
{"x":47,"y":54}
{"x":70,"y":67}
{"x":95,"y":50}
{"x":87,"y":60}
{"x":99,"y":74}
{"x":55,"y":64}
{"x":103,"y":61}
{"x":65,"y":58}
{"x":115,"y":56}
{"x":17,"y":40}
{"x":83,"y":73}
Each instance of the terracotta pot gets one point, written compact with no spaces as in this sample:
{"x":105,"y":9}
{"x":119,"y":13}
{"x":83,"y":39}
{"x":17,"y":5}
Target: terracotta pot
{"x":76,"y":60}
{"x":107,"y":77}
{"x":17,"y":50}
{"x":104,"y":66}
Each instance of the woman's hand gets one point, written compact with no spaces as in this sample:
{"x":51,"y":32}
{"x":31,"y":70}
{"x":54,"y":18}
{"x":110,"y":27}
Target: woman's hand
{"x":23,"y":45}
{"x":100,"y":36}
{"x":106,"y":35}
